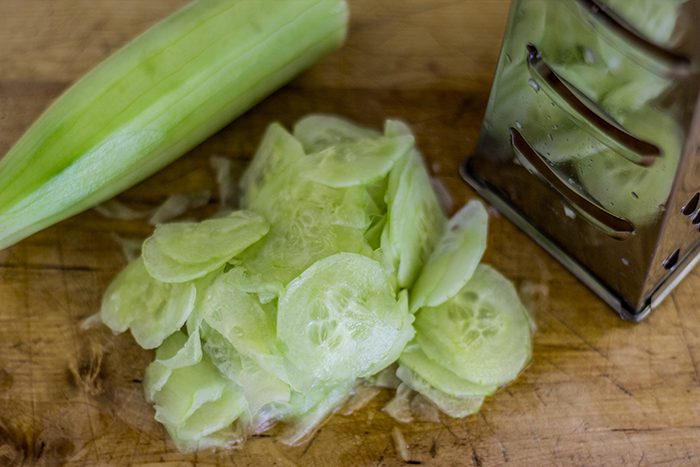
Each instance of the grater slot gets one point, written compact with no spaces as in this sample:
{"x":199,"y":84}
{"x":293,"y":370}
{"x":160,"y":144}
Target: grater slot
{"x":587,"y":114}
{"x":594,"y":214}
{"x":621,"y":35}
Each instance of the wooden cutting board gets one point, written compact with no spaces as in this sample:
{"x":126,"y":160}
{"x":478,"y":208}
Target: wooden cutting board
{"x":600,"y":392}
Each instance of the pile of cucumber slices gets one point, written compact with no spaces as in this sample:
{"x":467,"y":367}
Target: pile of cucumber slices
{"x":340,"y":264}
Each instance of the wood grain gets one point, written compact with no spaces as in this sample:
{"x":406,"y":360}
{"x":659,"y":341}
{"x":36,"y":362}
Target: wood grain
{"x":600,"y":392}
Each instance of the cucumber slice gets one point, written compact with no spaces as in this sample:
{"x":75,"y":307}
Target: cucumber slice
{"x":455,"y":258}
{"x":242,"y":321}
{"x":182,"y":252}
{"x":212,"y":416}
{"x":176,"y":351}
{"x":304,"y":426}
{"x":361,"y":162}
{"x":416,"y":221}
{"x":277,"y":151}
{"x":340,"y":319}
{"x":186,"y":390}
{"x":317,"y":132}
{"x":482,"y":334}
{"x":453,"y":406}
{"x":223,"y":355}
{"x":152,"y":309}
{"x":261,"y":387}
{"x":440,"y":377}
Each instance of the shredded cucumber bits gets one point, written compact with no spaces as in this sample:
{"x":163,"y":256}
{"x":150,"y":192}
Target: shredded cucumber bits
{"x":342,"y":265}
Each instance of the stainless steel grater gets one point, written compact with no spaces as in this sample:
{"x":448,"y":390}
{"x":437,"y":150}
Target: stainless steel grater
{"x":591,"y":141}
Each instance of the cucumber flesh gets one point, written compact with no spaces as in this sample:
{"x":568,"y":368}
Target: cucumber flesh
{"x":340,"y":318}
{"x":182,"y":251}
{"x":440,"y":377}
{"x":482,"y":334}
{"x":453,"y":406}
{"x":317,"y":132}
{"x":455,"y":258}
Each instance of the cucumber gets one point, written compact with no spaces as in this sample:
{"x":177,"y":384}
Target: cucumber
{"x":455,"y":258}
{"x":482,"y":334}
{"x":277,"y":151}
{"x":440,"y":377}
{"x":317,"y":132}
{"x":183,"y":251}
{"x":153,"y":310}
{"x":416,"y":221}
{"x":340,"y":319}
{"x":361,"y":162}
{"x":453,"y":406}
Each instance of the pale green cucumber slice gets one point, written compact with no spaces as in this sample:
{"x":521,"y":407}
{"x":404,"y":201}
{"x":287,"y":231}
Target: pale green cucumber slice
{"x":261,"y":387}
{"x":357,"y":209}
{"x":186,"y":390}
{"x":373,"y":235}
{"x":454,"y":259}
{"x":481,"y":334}
{"x":453,"y":406}
{"x":416,"y":221}
{"x":246,"y":281}
{"x":181,"y":252}
{"x":240,"y":319}
{"x":277,"y":151}
{"x":176,"y":351}
{"x":294,"y":245}
{"x":405,"y":335}
{"x":214,"y":415}
{"x":440,"y":377}
{"x":358,"y":163}
{"x":340,"y":319}
{"x":303,"y":427}
{"x":223,"y":355}
{"x":317,"y":132}
{"x":152,"y":309}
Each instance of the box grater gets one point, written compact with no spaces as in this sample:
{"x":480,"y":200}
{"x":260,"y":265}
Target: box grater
{"x":591,"y":141}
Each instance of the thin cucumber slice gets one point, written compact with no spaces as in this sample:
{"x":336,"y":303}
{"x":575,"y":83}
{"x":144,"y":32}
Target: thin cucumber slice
{"x":340,"y":319}
{"x":214,"y":415}
{"x":304,"y":426}
{"x":481,"y":334}
{"x":440,"y":377}
{"x":261,"y":387}
{"x":277,"y":151}
{"x":223,"y":355}
{"x":152,"y":309}
{"x":186,"y":390}
{"x":453,"y":406}
{"x":317,"y":132}
{"x":358,"y":163}
{"x":455,"y":258}
{"x":416,"y":221}
{"x":182,"y":252}
{"x":176,"y":351}
{"x":241,"y":320}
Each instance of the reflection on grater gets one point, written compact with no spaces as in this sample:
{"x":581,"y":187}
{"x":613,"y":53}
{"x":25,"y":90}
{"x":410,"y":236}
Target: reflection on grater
{"x":591,"y":141}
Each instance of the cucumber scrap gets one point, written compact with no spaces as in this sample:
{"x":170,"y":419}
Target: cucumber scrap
{"x":276,"y":313}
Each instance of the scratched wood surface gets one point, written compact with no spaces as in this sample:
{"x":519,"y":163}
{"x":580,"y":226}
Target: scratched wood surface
{"x":600,"y":392}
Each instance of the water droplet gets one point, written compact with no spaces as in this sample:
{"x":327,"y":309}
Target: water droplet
{"x":555,"y":127}
{"x":509,"y":59}
{"x":625,"y":261}
{"x":534,"y":84}
{"x":634,"y":195}
{"x":238,"y":331}
{"x":551,"y":137}
{"x":662,"y":207}
{"x":518,"y":124}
